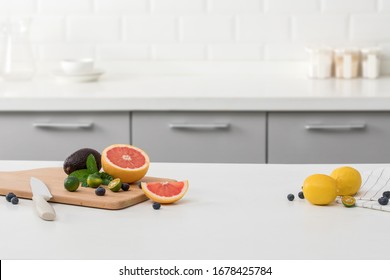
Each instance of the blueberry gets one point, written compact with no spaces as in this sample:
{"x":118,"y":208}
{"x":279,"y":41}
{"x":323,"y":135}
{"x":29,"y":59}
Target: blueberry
{"x":156,"y":205}
{"x":100,"y":191}
{"x":139,"y":185}
{"x":125,"y":186}
{"x":383,"y":200}
{"x":301,"y":195}
{"x":9,"y":196}
{"x":386,"y":194}
{"x":290,"y":197}
{"x":15,"y":200}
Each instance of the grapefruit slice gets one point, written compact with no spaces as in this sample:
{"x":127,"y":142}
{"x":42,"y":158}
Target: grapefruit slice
{"x":126,"y":162}
{"x":165,"y":192}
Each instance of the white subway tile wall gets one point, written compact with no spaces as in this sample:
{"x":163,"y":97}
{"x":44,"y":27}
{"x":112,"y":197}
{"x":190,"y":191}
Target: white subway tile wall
{"x":150,"y":29}
{"x":199,"y":29}
{"x":371,"y":28}
{"x":178,"y":7}
{"x":350,"y":6}
{"x":119,"y":7}
{"x":93,"y":29}
{"x":263,"y":28}
{"x":18,"y":7}
{"x":115,"y":52}
{"x":48,"y":30}
{"x":178,"y":52}
{"x":236,"y":51}
{"x":324,"y":29}
{"x":235,"y":6}
{"x":384,"y":5}
{"x":64,"y":7}
{"x":207,"y":29}
{"x":292,"y":6}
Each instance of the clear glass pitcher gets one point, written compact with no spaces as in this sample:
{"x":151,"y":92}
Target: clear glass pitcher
{"x":17,"y":58}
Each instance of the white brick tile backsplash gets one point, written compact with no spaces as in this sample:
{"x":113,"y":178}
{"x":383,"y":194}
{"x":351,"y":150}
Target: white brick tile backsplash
{"x":94,"y":29}
{"x":179,"y":52}
{"x":374,"y":28}
{"x":289,"y":51}
{"x":50,"y":7}
{"x":151,"y":29}
{"x":263,"y":28}
{"x":384,"y":5}
{"x":199,"y":29}
{"x":292,"y":6}
{"x":66,"y":51}
{"x":235,"y":52}
{"x":350,"y":6}
{"x":17,"y":7}
{"x":385,"y":51}
{"x":47,"y":29}
{"x":235,"y":6}
{"x":207,"y":29}
{"x":116,"y":7}
{"x":123,"y":52}
{"x":320,"y":28}
{"x":178,"y":6}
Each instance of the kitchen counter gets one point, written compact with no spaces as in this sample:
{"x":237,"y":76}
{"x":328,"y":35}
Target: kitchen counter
{"x":231,"y":211}
{"x":222,"y":86}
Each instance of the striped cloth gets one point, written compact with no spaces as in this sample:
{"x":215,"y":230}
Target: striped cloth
{"x":374,"y":183}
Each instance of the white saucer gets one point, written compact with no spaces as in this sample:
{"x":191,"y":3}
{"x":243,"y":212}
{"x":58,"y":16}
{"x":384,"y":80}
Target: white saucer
{"x":78,"y":78}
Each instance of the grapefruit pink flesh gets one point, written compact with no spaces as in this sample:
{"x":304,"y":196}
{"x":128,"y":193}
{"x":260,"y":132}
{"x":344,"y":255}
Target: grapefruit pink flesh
{"x":166,"y":189}
{"x":126,"y":157}
{"x":126,"y":162}
{"x":165,"y":192}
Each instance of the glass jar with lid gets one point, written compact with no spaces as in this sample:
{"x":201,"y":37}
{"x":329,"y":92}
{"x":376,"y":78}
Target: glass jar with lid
{"x":17,"y":58}
{"x":321,"y":62}
{"x":347,"y":63}
{"x":370,"y":63}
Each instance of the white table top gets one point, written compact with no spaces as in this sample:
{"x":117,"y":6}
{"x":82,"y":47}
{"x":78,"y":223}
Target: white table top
{"x":198,"y":86}
{"x":231,"y":211}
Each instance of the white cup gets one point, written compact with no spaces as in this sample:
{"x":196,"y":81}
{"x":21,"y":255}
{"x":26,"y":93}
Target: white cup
{"x":77,"y":66}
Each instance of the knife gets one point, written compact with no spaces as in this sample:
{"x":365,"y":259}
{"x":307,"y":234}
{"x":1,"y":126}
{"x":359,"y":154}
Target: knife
{"x":40,"y":196}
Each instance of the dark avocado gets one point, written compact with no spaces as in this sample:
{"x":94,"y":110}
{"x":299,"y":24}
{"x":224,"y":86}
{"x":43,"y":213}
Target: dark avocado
{"x":78,"y":160}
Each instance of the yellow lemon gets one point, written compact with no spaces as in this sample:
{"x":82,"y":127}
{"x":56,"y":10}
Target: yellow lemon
{"x":348,"y":180}
{"x":320,"y":189}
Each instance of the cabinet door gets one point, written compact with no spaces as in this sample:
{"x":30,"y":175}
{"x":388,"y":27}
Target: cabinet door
{"x":201,"y":136}
{"x":332,"y":137}
{"x":55,"y":135}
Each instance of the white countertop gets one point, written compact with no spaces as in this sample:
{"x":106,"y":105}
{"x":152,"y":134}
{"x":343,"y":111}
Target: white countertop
{"x":198,"y":86}
{"x":231,"y":211}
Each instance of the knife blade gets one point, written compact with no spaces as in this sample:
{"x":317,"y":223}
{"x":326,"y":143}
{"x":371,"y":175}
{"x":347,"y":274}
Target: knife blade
{"x":40,"y":195}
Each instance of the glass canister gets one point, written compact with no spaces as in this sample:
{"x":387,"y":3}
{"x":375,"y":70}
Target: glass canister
{"x":17,"y":59}
{"x":321,"y":63}
{"x":347,"y":63}
{"x":370,"y":63}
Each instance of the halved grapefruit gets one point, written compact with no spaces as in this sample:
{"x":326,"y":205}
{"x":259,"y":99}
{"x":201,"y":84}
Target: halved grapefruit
{"x":126,"y":162}
{"x":165,"y":192}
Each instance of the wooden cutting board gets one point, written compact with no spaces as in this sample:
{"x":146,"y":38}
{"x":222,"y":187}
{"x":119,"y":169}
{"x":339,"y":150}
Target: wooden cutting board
{"x":18,"y":182}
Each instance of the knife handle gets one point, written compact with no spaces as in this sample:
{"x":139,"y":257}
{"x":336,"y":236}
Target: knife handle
{"x":44,"y":209}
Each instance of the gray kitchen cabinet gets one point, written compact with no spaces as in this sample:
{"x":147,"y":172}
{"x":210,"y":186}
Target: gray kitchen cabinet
{"x":202,"y":136}
{"x":54,"y":135}
{"x":218,"y":137}
{"x":328,"y":137}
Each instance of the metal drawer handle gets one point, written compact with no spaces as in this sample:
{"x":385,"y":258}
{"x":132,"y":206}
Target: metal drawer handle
{"x":335,"y":126}
{"x":62,"y":125}
{"x":199,"y":126}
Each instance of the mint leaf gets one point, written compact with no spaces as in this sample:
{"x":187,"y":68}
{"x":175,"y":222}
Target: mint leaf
{"x":107,"y":178}
{"x":91,"y":164}
{"x":81,"y":174}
